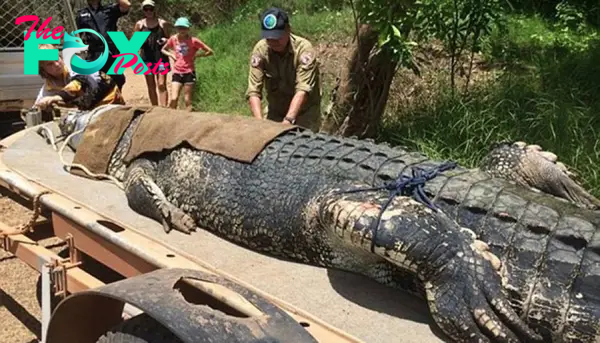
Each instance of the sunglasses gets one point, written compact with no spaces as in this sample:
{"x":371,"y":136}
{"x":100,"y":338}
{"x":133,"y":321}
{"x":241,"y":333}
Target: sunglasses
{"x":148,"y":9}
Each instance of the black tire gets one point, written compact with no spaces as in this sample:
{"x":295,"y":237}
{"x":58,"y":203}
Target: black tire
{"x":139,"y":329}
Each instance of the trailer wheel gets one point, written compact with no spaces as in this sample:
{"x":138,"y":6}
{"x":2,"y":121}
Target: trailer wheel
{"x":90,"y":266}
{"x":139,"y":329}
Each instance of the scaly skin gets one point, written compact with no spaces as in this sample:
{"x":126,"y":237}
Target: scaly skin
{"x":550,"y":283}
{"x":550,"y":248}
{"x":329,"y":229}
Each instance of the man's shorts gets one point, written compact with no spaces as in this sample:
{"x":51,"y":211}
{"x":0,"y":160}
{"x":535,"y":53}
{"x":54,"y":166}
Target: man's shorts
{"x":186,"y":78}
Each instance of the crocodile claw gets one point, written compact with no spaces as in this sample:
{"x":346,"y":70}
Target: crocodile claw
{"x":466,"y":300}
{"x":174,"y":218}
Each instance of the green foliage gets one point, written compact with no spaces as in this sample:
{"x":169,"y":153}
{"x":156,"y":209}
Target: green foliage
{"x":459,"y":24}
{"x":551,"y":100}
{"x":588,"y":10}
{"x":394,"y":21}
{"x":252,"y":8}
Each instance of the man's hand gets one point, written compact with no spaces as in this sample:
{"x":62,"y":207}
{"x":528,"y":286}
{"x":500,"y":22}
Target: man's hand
{"x":47,"y":101}
{"x":124,"y":5}
{"x":297,"y":101}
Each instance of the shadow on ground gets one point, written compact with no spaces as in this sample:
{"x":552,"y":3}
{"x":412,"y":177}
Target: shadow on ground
{"x":19,"y":312}
{"x":377,"y":297}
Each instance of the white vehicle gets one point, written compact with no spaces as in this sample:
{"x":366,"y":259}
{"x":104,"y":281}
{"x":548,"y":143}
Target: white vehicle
{"x":17,"y":90}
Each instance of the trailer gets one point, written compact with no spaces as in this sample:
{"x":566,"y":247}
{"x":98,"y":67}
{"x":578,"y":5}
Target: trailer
{"x":122,"y":279}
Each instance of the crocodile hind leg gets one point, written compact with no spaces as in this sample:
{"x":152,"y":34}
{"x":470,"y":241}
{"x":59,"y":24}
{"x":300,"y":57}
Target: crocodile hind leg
{"x":529,"y":166}
{"x":145,"y":197}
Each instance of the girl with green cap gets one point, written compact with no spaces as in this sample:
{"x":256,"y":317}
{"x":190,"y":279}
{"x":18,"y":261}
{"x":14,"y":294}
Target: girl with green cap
{"x":186,"y":48}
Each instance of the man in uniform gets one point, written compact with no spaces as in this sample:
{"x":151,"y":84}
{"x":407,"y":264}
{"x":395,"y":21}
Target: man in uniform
{"x":102,"y":18}
{"x":286,"y":65}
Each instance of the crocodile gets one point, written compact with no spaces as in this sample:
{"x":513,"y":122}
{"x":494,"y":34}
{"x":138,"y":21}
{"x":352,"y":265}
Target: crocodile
{"x":493,"y":259}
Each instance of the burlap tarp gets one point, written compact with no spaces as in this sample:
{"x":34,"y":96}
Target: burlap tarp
{"x":236,"y":137}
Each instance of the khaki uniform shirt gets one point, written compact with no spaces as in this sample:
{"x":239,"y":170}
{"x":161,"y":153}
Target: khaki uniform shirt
{"x":282,"y":75}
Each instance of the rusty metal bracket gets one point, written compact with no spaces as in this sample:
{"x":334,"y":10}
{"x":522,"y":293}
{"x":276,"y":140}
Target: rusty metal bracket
{"x":60,"y":268}
{"x":195,"y":306}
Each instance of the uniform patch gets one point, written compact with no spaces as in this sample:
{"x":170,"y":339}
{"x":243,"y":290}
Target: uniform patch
{"x":306,"y":58}
{"x":255,"y":60}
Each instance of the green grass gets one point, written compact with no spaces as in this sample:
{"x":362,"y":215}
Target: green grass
{"x":223,"y":77}
{"x":549,"y":95}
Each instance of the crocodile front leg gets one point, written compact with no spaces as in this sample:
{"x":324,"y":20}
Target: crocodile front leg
{"x":463,"y":290}
{"x":146,"y":198}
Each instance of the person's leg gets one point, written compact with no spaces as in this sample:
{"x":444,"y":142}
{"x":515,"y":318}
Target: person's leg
{"x":151,"y":84}
{"x":190,"y":84}
{"x":163,"y":95}
{"x":176,"y":89}
{"x":189,"y":92}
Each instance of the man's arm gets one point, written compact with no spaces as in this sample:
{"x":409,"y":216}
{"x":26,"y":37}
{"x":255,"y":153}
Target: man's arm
{"x":295,"y":105}
{"x":124,"y":5}
{"x":306,"y":79}
{"x":42,"y":93}
{"x":255,"y":82}
{"x":255,"y":106}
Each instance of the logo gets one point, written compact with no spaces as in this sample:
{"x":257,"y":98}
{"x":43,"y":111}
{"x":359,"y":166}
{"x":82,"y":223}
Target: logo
{"x":270,"y":21}
{"x":182,"y":49}
{"x":73,"y":45}
{"x":127,"y":58}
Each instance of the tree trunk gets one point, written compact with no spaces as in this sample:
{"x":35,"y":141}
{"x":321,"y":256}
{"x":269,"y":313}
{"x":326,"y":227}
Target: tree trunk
{"x":362,"y":90}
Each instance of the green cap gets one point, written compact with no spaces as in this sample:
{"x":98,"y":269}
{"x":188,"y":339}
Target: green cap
{"x":183,"y":21}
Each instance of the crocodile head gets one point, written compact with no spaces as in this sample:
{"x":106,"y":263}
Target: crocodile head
{"x":75,"y":122}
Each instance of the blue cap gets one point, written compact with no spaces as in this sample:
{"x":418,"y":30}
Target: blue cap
{"x":273,"y":22}
{"x":183,"y":22}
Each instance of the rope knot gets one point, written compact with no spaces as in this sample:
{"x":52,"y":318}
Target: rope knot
{"x":407,"y":185}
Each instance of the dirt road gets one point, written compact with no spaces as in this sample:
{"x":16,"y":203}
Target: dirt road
{"x":20,"y":313}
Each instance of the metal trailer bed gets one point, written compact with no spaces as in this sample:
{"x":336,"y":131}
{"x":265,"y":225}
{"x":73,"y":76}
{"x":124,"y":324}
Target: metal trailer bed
{"x":94,"y":218}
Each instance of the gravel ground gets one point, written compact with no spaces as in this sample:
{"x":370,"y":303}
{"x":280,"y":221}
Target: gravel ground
{"x":20,"y":313}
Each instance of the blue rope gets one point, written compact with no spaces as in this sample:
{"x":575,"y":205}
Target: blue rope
{"x":406,"y":185}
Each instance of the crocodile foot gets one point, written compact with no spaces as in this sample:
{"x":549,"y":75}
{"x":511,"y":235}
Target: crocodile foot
{"x":528,"y":165}
{"x":465,"y":299}
{"x":145,"y":197}
{"x":175,"y":218}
